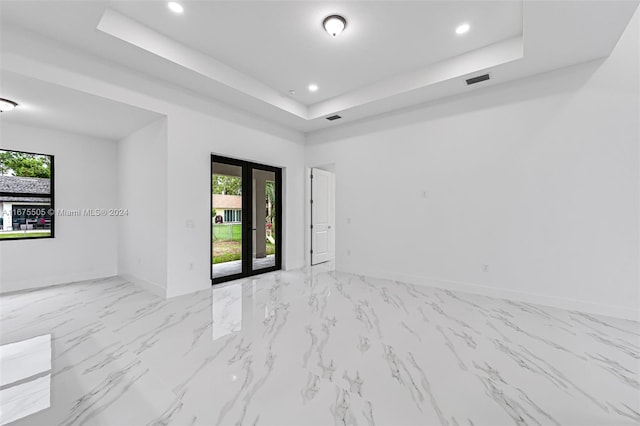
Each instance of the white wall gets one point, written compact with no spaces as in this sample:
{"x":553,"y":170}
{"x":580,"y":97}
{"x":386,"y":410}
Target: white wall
{"x":84,"y":247}
{"x":142,"y":192}
{"x":193,"y":137}
{"x":196,"y":128}
{"x":538,"y":179}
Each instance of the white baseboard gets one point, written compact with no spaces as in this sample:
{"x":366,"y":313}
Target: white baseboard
{"x":499,"y":293}
{"x":15,"y":286}
{"x":293,"y":267}
{"x":154,"y":288}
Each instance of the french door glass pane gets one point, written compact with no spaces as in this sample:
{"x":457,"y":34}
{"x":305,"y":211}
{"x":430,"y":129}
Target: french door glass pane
{"x":226,"y":217}
{"x":264,"y":219}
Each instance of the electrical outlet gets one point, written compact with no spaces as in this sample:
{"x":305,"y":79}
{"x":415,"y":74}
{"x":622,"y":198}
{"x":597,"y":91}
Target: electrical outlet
{"x":485,"y":268}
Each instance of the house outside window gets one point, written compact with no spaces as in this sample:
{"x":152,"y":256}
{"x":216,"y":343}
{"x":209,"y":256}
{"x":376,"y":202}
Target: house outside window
{"x":26,"y":195}
{"x":228,"y":208}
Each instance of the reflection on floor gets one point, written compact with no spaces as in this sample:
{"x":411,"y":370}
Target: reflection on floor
{"x":25,"y":383}
{"x":235,"y":266}
{"x":300,"y":348}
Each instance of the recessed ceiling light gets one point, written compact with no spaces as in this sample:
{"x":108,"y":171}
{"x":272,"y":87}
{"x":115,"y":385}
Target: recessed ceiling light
{"x":313,"y":87}
{"x":7,"y":105}
{"x":175,"y":7}
{"x":463,"y":28}
{"x":334,"y":24}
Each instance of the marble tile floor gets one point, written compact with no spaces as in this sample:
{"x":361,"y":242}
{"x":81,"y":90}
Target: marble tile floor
{"x":313,"y":347}
{"x":235,"y":266}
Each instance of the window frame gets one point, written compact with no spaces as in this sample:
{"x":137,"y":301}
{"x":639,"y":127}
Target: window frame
{"x":51,"y":196}
{"x":234,"y":216}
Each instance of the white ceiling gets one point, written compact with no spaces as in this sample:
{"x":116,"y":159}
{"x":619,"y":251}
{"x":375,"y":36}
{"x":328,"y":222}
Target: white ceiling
{"x":283,"y":44}
{"x":47,"y":105}
{"x":393,"y":54}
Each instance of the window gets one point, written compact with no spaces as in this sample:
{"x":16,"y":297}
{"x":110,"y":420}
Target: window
{"x":26,"y":195}
{"x":233,"y":215}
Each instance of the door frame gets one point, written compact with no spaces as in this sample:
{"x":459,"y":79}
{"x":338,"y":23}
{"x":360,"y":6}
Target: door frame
{"x":331,"y":168}
{"x":247,"y":168}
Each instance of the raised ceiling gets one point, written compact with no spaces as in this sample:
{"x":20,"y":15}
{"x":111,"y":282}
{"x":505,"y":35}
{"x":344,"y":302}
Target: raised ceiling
{"x":283,"y":45}
{"x":43,"y":104}
{"x":394,"y":54}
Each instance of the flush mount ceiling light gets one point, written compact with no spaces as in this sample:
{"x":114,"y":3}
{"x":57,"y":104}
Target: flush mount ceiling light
{"x":7,"y":105}
{"x":175,"y":7}
{"x":334,"y":24}
{"x":313,"y":87}
{"x":463,"y":29}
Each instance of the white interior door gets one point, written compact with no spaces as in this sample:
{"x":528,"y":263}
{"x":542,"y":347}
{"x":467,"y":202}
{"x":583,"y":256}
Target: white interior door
{"x":321,"y":216}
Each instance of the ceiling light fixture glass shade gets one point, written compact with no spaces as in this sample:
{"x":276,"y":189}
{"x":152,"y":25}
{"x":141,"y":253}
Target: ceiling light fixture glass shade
{"x":7,"y":105}
{"x":175,"y":7}
{"x":334,"y":24}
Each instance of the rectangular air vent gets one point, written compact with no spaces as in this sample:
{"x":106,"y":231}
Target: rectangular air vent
{"x":334,"y":117}
{"x":478,"y":79}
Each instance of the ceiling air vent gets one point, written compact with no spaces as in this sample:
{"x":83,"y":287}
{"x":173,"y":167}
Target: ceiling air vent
{"x":477,"y":79}
{"x":334,"y":117}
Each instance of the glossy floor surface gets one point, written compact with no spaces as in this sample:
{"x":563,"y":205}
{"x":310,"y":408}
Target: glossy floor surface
{"x":302,"y":348}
